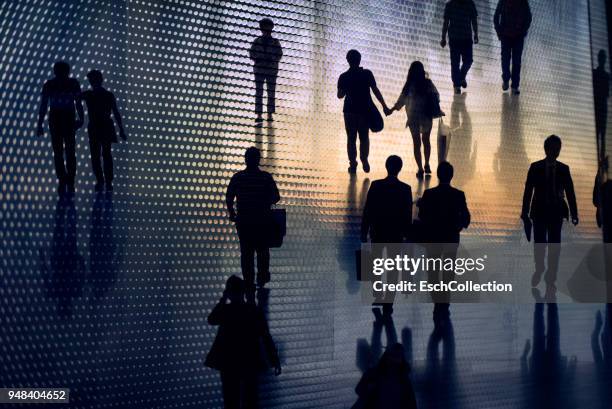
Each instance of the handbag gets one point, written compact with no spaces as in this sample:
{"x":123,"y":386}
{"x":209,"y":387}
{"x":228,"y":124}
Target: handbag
{"x":444,"y":139}
{"x":278,"y":227}
{"x":376,"y":122}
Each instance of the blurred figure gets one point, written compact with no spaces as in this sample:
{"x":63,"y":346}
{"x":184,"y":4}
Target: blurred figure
{"x":387,"y":215}
{"x":422,"y":101}
{"x":512,"y":20}
{"x":460,"y":20}
{"x":388,"y":384}
{"x":100,"y":103}
{"x":61,"y":97}
{"x":243,"y":347}
{"x":548,"y":183}
{"x":602,"y":200}
{"x":601,"y":92}
{"x":266,"y":52}
{"x":255,"y":191}
{"x":354,"y":86}
{"x":443,"y":213}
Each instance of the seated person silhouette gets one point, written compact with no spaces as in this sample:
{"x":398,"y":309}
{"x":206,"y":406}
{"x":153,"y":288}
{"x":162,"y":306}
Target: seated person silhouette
{"x":388,"y":384}
{"x":548,"y":183}
{"x":266,"y":52}
{"x":61,"y":97}
{"x":100,"y":103}
{"x":354,"y":86}
{"x":255,"y":192}
{"x":243,"y":347}
{"x":443,"y":213}
{"x":387,"y":215}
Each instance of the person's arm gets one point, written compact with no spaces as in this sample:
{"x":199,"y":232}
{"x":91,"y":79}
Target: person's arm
{"x":571,"y":197}
{"x":445,"y":25}
{"x":341,"y":90}
{"x":78,"y":101}
{"x":42,"y":110}
{"x":597,"y":199}
{"x":529,"y":17}
{"x":274,"y":195}
{"x":528,"y":193}
{"x":466,"y":217}
{"x":365,"y":219}
{"x":253,"y":50}
{"x":497,"y":17}
{"x":230,"y":195}
{"x":377,"y":93}
{"x":423,"y":208}
{"x":118,"y":117}
{"x":475,"y":23}
{"x":408,"y":217}
{"x":279,"y":51}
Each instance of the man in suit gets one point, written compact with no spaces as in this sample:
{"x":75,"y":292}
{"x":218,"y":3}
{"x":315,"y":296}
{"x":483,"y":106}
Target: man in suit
{"x":443,"y":213}
{"x":548,"y":183}
{"x":387,"y":215}
{"x":265,"y":52}
{"x":255,"y":191}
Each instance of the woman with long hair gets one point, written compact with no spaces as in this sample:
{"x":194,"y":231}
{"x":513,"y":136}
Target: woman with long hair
{"x":422,"y":102}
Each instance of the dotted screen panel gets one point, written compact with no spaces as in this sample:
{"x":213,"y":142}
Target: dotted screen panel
{"x":109,"y":294}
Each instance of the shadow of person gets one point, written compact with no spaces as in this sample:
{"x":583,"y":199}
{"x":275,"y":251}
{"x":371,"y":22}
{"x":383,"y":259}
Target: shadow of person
{"x":63,"y":270}
{"x":104,"y":252}
{"x":511,"y":157}
{"x":548,"y":376}
{"x":243,"y":347}
{"x":440,"y":383}
{"x":463,"y":151}
{"x":601,"y":92}
{"x":369,"y":354}
{"x":269,"y":144}
{"x":349,"y":241}
{"x":601,"y":345}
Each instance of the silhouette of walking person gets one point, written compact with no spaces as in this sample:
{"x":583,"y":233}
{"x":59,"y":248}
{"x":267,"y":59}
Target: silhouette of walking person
{"x":548,"y":183}
{"x":443,"y":213}
{"x":387,"y":216}
{"x":243,"y":347}
{"x":601,"y":92}
{"x":61,"y":97}
{"x":255,"y":192}
{"x":602,"y":200}
{"x":460,"y":21}
{"x":512,"y":20}
{"x":354,"y":86}
{"x":266,"y":52}
{"x":421,"y":99}
{"x":388,"y":384}
{"x":100,"y":103}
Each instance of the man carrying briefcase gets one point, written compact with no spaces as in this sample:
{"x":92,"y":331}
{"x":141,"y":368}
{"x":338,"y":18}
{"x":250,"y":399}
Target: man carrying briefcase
{"x":255,"y":192}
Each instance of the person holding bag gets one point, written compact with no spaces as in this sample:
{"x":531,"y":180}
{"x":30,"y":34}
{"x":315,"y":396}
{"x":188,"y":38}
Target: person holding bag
{"x":422,"y":103}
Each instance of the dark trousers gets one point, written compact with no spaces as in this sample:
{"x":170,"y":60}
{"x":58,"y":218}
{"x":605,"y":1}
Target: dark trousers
{"x":62,"y":130}
{"x":267,"y":77}
{"x":512,"y":52}
{"x":461,"y":56}
{"x":356,"y":124}
{"x":239,"y":390}
{"x":253,"y":240}
{"x":101,"y":151}
{"x":441,"y":299}
{"x":547,"y":235}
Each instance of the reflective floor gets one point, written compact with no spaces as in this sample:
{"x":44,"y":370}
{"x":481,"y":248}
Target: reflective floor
{"x":108,"y":294}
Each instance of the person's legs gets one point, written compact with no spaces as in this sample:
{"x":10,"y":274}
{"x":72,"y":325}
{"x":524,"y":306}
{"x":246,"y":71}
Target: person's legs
{"x":263,"y":264}
{"x":426,"y":136}
{"x":94,"y":150}
{"x":506,"y":56}
{"x":249,"y":390}
{"x":230,"y":386}
{"x":57,"y":141}
{"x":554,"y":250}
{"x":364,"y":143}
{"x":107,"y":155}
{"x":259,"y":86}
{"x":350,"y":124}
{"x":271,"y":86}
{"x":455,"y":60}
{"x":416,"y":144}
{"x":466,"y":50}
{"x":539,"y":249}
{"x":517,"y":58}
{"x":247,"y":253}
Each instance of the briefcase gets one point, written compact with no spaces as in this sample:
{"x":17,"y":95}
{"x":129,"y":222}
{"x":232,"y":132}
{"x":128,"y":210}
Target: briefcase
{"x":278,"y":227}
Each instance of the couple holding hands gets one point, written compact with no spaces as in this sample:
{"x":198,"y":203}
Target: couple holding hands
{"x":419,"y":97}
